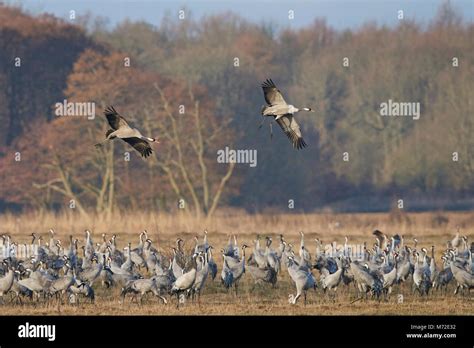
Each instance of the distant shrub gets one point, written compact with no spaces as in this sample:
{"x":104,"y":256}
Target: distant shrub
{"x":439,"y":220}
{"x":399,"y":216}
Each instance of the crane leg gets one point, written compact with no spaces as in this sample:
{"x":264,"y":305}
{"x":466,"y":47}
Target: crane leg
{"x":271,"y":131}
{"x":261,"y":123}
{"x":298,"y":294}
{"x":98,"y":145}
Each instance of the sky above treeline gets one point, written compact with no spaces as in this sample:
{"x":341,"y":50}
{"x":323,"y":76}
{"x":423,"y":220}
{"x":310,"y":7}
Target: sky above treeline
{"x":340,"y":14}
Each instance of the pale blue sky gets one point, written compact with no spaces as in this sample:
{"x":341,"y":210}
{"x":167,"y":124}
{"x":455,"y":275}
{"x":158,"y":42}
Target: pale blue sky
{"x":340,"y":14}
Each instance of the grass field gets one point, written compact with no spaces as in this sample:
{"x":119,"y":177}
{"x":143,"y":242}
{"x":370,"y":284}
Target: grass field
{"x":429,"y":228}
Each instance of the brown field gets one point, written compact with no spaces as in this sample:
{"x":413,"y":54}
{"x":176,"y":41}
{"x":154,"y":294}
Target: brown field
{"x":429,"y":229}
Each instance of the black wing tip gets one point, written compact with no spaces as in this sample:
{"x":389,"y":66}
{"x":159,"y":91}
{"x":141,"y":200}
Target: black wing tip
{"x":268,"y":83}
{"x":299,"y":144}
{"x":110,"y":110}
{"x":147,"y":152}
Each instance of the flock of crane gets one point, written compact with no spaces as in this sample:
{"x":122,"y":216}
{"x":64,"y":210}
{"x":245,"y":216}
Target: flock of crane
{"x":56,"y":272}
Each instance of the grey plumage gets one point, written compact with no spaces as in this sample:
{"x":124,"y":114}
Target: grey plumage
{"x":142,"y":287}
{"x":463,"y":278}
{"x":6,"y":281}
{"x":89,"y":275}
{"x":83,"y":289}
{"x":231,"y":274}
{"x":302,"y":278}
{"x":201,"y":275}
{"x":283,"y":113}
{"x":265,"y":275}
{"x":365,"y":280}
{"x":212,"y":264}
{"x":421,"y":278}
{"x":332,"y":280}
{"x":122,"y":130}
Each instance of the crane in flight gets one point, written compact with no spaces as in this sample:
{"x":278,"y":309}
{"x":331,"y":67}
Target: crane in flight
{"x":283,"y":113}
{"x":122,"y":130}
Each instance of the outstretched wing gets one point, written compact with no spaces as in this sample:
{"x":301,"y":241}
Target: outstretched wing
{"x":272,"y":93}
{"x":140,"y":145}
{"x":115,"y":120}
{"x":292,"y":131}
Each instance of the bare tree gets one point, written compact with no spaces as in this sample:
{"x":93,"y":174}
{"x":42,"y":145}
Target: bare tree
{"x":188,"y":158}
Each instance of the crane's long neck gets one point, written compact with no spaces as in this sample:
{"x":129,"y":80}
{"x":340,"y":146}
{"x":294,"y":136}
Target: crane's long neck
{"x":243,"y":257}
{"x":292,"y":109}
{"x":267,"y":244}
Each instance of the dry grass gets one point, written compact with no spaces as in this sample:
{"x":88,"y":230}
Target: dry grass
{"x":429,"y":228}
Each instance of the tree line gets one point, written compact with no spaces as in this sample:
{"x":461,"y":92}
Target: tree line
{"x":211,"y":69}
